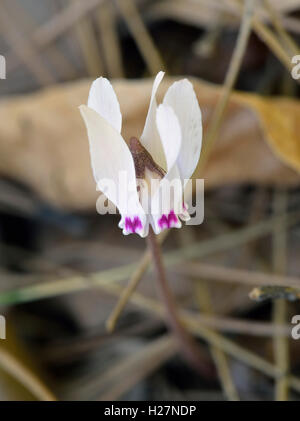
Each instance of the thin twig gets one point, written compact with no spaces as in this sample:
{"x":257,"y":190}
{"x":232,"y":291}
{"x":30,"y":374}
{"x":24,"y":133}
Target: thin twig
{"x":132,"y":285}
{"x":188,"y":345}
{"x":278,"y":25}
{"x":187,"y":236}
{"x":127,"y":292}
{"x":22,"y":374}
{"x":231,"y":76}
{"x":268,"y":37}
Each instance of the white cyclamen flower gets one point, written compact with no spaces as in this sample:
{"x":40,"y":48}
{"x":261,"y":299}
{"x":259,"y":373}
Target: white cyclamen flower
{"x":168,"y":151}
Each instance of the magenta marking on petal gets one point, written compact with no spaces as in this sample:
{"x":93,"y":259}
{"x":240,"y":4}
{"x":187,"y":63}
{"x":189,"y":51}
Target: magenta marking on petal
{"x":166,"y":221}
{"x":132,"y":225}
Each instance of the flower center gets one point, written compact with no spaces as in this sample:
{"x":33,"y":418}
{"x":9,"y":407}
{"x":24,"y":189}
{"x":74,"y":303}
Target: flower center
{"x":143,"y":161}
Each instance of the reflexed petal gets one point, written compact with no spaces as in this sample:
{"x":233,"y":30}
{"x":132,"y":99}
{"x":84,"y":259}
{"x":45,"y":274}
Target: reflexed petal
{"x":182,"y":98}
{"x":114,"y":171}
{"x":102,"y":98}
{"x":150,"y":138}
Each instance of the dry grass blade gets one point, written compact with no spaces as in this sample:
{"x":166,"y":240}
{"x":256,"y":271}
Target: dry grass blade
{"x":271,"y":41}
{"x":196,"y":250}
{"x":220,"y":358}
{"x":239,"y":326}
{"x":281,"y":345}
{"x":135,"y":367}
{"x":204,"y":302}
{"x":89,"y":48}
{"x":141,"y":35}
{"x":247,"y":357}
{"x":23,"y":375}
{"x":227,"y":241}
{"x":24,"y":49}
{"x":231,"y":76}
{"x":278,"y":25}
{"x":269,"y":38}
{"x":291,"y":24}
{"x":64,"y":21}
{"x":239,"y":276}
{"x":110,"y":41}
{"x":132,"y":285}
{"x":22,"y":18}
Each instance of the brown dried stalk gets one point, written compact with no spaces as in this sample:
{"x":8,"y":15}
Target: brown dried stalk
{"x":188,"y":345}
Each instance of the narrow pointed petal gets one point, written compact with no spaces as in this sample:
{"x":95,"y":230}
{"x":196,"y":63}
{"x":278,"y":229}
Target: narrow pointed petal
{"x":182,"y":98}
{"x":150,"y":138}
{"x":114,"y":172}
{"x":102,"y":98}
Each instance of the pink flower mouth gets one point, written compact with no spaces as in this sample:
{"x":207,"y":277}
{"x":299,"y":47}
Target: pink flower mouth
{"x":132,"y":225}
{"x":167,"y":221}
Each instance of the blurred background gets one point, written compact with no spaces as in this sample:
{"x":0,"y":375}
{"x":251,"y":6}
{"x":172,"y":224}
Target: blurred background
{"x":63,"y":267}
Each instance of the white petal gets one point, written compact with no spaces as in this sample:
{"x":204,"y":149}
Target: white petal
{"x":102,"y":98}
{"x":150,"y":138}
{"x":182,"y":98}
{"x":166,"y":207}
{"x":114,"y":171}
{"x":170,"y":133}
{"x":166,"y":204}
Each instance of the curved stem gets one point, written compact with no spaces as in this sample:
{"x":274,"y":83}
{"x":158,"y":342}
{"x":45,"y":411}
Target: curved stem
{"x":190,"y":349}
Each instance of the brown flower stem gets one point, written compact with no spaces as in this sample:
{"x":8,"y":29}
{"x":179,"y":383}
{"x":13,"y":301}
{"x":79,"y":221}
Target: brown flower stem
{"x":188,"y":345}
